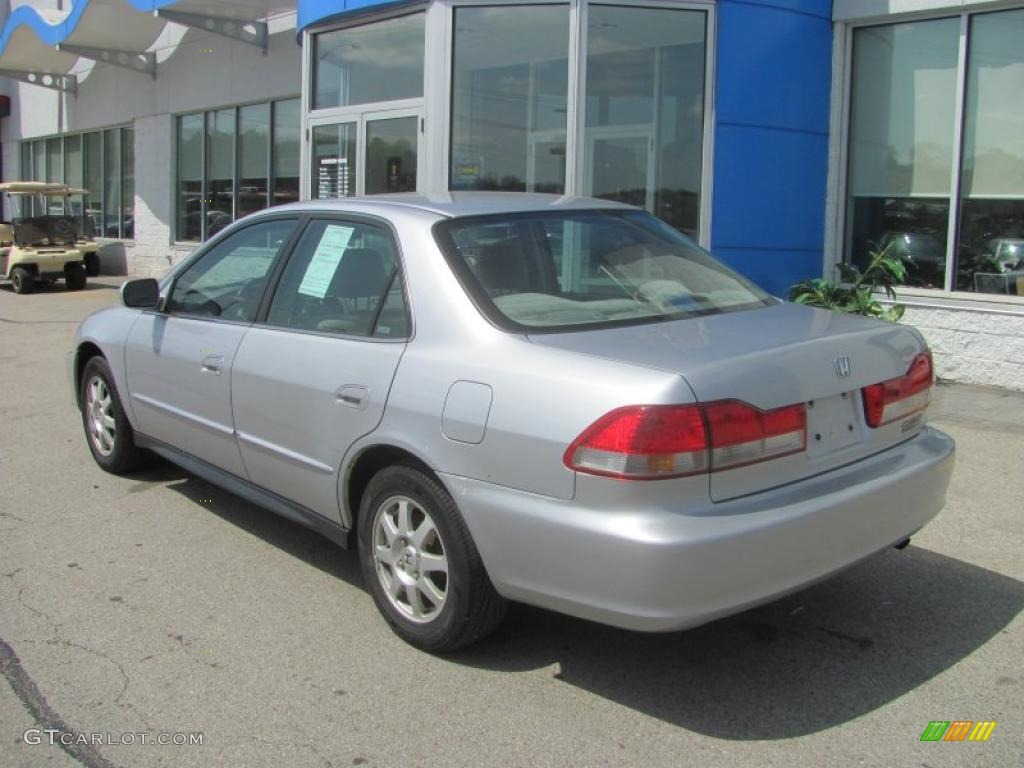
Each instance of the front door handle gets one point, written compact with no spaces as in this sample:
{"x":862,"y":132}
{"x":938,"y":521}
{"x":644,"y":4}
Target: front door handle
{"x":353,"y":396}
{"x":212,"y":364}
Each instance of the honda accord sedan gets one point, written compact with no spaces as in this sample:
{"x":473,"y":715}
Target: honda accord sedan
{"x":508,"y":397}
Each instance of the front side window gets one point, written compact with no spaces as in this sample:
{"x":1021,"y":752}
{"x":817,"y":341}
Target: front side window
{"x":382,"y":61}
{"x":227,"y":281}
{"x":580,"y":269}
{"x":342,"y":278}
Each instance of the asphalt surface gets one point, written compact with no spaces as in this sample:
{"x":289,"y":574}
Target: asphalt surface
{"x":160,"y":604}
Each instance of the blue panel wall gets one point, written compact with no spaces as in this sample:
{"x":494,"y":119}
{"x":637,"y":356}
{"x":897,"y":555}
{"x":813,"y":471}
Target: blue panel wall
{"x":773,"y":75}
{"x":311,"y":11}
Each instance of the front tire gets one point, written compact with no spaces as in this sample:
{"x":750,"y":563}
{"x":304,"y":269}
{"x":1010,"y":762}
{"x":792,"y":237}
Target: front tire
{"x":74,"y":276}
{"x":108,"y":433}
{"x":421,"y":565}
{"x":22,"y":280}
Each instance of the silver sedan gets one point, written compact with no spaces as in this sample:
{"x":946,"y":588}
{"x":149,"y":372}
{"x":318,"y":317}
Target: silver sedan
{"x":498,"y":397}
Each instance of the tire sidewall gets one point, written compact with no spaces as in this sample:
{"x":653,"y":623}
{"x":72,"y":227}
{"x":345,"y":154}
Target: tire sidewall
{"x":75,"y":277}
{"x":407,"y":481}
{"x":21,"y":280}
{"x":119,"y":458}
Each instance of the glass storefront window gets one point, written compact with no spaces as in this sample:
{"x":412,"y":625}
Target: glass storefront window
{"x":213,"y":188}
{"x":92,"y":150}
{"x":111,"y":183}
{"x":254,"y":157}
{"x":220,"y":169}
{"x":901,"y":144}
{"x":190,"y":177}
{"x":287,"y":150}
{"x":39,"y":160}
{"x":509,"y":98}
{"x":990,"y":252}
{"x":391,"y":155}
{"x":382,"y":61}
{"x":128,"y":182}
{"x":644,"y":110}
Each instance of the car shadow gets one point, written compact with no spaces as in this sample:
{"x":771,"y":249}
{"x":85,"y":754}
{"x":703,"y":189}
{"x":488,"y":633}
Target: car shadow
{"x":287,"y":536}
{"x":810,"y":661}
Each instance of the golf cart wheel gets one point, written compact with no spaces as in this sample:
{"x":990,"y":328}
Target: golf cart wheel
{"x":22,"y":280}
{"x":74,"y":276}
{"x":92,"y":264}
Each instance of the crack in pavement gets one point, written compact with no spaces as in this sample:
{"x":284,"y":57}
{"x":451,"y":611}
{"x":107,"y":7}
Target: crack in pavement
{"x":32,"y":698}
{"x":57,"y":639}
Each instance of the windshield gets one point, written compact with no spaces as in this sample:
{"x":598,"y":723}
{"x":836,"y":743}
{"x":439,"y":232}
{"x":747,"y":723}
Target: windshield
{"x":561,"y":271}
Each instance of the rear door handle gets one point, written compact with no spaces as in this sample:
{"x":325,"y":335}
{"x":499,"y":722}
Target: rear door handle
{"x":353,"y":396}
{"x":212,"y":364}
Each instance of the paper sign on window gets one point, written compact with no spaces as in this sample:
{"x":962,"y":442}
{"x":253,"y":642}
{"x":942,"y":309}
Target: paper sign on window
{"x":325,"y":260}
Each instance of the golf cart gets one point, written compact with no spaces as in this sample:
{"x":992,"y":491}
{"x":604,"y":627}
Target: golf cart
{"x":86,"y":241}
{"x":34,"y":245}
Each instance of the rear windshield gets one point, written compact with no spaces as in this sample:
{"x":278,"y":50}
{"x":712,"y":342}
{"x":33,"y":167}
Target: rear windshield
{"x":576,"y":269}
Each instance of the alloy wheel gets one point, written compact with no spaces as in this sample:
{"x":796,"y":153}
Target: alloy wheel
{"x":410,"y":559}
{"x":100,"y":412}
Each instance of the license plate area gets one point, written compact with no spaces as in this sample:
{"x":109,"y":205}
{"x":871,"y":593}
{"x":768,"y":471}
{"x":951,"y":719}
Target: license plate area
{"x":833,"y":423}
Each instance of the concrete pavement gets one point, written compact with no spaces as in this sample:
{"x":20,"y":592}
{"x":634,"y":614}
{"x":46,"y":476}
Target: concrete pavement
{"x":160,"y":604}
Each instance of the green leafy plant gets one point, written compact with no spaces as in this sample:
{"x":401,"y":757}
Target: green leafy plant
{"x":856,"y":291}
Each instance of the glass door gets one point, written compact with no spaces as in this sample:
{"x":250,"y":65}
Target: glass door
{"x":368,"y":153}
{"x":391,"y":154}
{"x":334,"y":166}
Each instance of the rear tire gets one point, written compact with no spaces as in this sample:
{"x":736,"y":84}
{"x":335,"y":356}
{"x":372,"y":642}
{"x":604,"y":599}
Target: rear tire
{"x":22,"y":280}
{"x":421,"y":565}
{"x":108,"y":433}
{"x":92,"y":264}
{"x":74,"y":276}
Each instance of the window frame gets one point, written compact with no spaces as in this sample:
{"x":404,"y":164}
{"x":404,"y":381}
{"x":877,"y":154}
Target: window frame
{"x":399,"y":272}
{"x":838,"y":226}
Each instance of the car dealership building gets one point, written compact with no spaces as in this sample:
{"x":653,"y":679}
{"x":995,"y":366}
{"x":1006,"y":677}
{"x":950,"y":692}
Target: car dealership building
{"x":783,"y":134}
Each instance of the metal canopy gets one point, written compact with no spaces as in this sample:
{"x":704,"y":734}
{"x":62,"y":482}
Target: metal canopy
{"x":40,"y":46}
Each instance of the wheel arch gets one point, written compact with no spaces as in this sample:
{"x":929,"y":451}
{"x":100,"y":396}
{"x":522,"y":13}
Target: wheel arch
{"x":367,"y":462}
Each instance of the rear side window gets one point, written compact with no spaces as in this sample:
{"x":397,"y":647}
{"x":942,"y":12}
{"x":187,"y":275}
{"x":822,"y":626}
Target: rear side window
{"x":578,"y":269}
{"x":341,"y":278}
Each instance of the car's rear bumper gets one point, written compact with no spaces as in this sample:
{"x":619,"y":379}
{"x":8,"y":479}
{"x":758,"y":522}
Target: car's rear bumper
{"x":664,"y":569}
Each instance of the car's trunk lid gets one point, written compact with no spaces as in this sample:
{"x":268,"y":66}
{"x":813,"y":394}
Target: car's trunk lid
{"x":773,"y":357}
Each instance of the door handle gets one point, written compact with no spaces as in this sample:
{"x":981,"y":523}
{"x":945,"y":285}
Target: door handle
{"x":353,"y":396}
{"x":212,"y":364}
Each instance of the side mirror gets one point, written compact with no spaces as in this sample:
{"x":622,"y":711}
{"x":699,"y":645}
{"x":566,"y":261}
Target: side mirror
{"x":141,"y":294}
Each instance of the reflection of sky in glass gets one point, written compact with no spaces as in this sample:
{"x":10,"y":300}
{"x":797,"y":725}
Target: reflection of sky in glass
{"x":382,"y":61}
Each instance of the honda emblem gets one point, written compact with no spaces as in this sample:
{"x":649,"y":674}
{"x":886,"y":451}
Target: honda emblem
{"x":842,"y":366}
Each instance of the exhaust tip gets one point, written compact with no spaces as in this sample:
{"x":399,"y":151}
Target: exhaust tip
{"x":903,"y":544}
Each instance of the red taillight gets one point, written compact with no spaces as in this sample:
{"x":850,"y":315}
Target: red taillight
{"x":642,"y":442}
{"x":646,"y":442}
{"x":742,"y":434}
{"x":898,"y":398}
